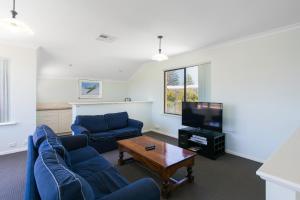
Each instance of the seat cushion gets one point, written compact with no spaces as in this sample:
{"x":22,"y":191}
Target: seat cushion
{"x":40,"y":134}
{"x":93,"y":123}
{"x":127,"y":132}
{"x":82,"y":154}
{"x":116,"y":120}
{"x":103,"y":136}
{"x":101,"y":176}
{"x":97,"y":163}
{"x":55,"y":181}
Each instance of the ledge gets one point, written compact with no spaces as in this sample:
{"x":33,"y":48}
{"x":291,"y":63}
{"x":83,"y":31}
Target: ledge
{"x":53,"y":106}
{"x":8,"y":123}
{"x":107,"y":102}
{"x":283,"y":166}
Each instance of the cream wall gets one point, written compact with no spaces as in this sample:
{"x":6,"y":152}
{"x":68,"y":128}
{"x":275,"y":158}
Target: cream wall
{"x":66,"y":90}
{"x":258,"y":81}
{"x":22,"y":89}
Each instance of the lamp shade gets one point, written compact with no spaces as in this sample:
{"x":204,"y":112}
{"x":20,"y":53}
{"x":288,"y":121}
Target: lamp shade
{"x":15,"y":26}
{"x":160,"y":57}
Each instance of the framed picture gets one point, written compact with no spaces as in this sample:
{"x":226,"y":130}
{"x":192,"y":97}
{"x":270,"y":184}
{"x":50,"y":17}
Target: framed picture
{"x":90,"y":89}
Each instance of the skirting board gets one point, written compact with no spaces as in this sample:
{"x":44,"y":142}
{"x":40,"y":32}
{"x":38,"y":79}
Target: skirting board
{"x":156,"y":131}
{"x":163,"y":133}
{"x":13,"y":151}
{"x":244,"y":156}
{"x":227,"y":150}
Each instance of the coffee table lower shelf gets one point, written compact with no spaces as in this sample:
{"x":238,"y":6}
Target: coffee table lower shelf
{"x":165,"y":173}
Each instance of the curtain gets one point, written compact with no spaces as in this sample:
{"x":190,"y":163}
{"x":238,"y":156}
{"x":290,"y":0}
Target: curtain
{"x":4,"y":105}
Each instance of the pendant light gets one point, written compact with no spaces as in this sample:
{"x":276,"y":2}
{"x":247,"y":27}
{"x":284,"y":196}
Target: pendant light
{"x":14,"y":25}
{"x":160,"y":56}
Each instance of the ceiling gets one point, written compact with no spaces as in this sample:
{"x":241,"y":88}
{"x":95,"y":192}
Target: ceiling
{"x":66,"y":30}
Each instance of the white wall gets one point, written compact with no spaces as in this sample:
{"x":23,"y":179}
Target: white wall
{"x":257,"y":79}
{"x":66,"y":90}
{"x":22,"y":89}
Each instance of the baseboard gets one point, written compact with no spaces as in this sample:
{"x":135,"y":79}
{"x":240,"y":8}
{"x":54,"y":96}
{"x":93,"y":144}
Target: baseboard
{"x":13,"y":151}
{"x":244,"y":156}
{"x":227,"y":150}
{"x":145,"y":131}
{"x":163,"y":133}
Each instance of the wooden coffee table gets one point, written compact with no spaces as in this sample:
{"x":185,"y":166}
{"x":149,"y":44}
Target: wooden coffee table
{"x":165,"y":160}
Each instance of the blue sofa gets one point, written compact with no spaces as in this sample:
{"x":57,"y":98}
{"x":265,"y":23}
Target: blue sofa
{"x":66,"y":168}
{"x":104,"y":131}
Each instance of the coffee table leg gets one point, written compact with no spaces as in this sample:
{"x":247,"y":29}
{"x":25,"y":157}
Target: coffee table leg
{"x":165,"y":190}
{"x":189,"y":174}
{"x":121,"y":158}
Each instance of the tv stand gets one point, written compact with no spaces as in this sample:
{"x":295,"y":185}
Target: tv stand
{"x":208,"y":143}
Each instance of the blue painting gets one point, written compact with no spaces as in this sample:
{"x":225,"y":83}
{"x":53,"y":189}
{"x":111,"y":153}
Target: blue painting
{"x":90,"y":89}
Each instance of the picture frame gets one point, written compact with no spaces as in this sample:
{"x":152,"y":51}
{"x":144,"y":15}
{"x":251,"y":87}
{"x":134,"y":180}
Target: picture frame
{"x":90,"y":89}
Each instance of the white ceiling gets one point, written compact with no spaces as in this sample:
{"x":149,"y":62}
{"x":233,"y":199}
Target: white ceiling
{"x":67,"y":30}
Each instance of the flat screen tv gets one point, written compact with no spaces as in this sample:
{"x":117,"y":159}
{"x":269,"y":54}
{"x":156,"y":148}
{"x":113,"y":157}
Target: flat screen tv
{"x":203,"y":115}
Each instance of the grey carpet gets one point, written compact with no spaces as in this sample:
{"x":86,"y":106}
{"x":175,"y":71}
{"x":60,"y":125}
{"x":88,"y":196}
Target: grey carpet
{"x":12,"y":176}
{"x":227,"y":178}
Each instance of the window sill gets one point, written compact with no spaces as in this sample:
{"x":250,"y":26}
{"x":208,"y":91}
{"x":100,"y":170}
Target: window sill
{"x":8,"y":123}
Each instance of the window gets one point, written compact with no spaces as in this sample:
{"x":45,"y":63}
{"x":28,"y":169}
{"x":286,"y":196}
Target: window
{"x":180,"y":85}
{"x":4,"y":107}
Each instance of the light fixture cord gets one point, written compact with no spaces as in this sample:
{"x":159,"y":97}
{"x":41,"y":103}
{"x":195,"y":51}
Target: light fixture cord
{"x":14,"y":12}
{"x":159,"y":50}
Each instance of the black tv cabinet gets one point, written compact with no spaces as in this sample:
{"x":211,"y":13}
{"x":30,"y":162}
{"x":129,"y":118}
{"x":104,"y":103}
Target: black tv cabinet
{"x":212,"y":148}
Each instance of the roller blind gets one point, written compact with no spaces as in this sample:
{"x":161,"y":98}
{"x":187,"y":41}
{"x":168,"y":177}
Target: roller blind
{"x":4,"y":101}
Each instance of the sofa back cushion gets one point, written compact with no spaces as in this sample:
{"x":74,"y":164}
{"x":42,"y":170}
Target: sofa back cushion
{"x":117,"y":120}
{"x":93,"y":123}
{"x":54,"y":143}
{"x":41,"y":133}
{"x":55,"y":181}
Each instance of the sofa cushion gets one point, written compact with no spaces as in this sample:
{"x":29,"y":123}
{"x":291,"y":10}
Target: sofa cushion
{"x":53,"y":143}
{"x":93,"y":123}
{"x":116,"y":120}
{"x":125,"y":133}
{"x":103,"y":136}
{"x":103,"y":180}
{"x":55,"y":181}
{"x":82,"y":154}
{"x":40,"y":134}
{"x":93,"y":165}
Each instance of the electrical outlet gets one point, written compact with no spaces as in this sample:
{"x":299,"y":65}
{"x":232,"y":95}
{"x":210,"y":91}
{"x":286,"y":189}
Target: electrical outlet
{"x":12,"y":144}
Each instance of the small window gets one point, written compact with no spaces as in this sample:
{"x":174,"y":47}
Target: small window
{"x":180,"y":85}
{"x":4,"y":104}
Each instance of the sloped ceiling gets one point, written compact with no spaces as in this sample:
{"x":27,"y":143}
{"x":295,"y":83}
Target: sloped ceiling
{"x":67,"y":30}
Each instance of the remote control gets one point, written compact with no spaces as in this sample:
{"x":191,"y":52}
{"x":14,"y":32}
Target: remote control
{"x":151,"y":147}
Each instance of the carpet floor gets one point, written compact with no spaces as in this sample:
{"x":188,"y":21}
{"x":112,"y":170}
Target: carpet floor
{"x":227,"y":178}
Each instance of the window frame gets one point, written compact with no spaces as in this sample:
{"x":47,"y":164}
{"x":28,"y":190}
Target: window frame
{"x":184,"y":86}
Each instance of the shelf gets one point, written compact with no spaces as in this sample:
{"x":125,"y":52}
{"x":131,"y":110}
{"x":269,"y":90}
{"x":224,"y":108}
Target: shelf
{"x":215,"y":142}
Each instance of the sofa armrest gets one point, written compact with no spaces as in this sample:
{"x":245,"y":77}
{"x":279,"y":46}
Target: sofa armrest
{"x":145,"y":189}
{"x":77,"y":129}
{"x":31,"y":191}
{"x":135,"y":123}
{"x":74,"y":142}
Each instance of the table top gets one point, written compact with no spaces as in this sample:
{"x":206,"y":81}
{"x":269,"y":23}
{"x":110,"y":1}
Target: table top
{"x":164,"y":154}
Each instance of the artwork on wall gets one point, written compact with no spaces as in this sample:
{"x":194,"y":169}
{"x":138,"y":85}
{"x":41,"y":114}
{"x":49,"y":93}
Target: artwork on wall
{"x":89,"y":89}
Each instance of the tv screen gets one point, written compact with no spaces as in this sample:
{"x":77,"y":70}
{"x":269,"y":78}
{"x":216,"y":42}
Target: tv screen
{"x":202,"y":115}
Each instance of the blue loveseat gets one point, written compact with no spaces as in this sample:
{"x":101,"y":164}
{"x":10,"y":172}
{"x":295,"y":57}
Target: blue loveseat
{"x":66,"y":168}
{"x":104,"y":131}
